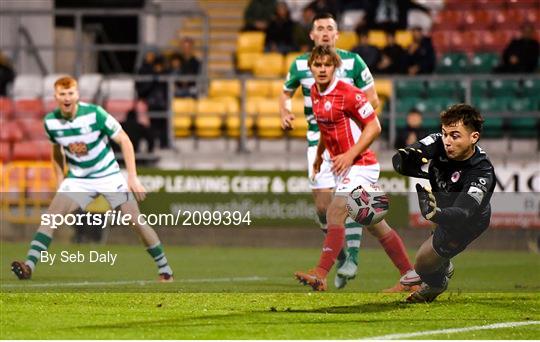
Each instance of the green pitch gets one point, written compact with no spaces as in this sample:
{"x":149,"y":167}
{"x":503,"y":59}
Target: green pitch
{"x":249,"y":293}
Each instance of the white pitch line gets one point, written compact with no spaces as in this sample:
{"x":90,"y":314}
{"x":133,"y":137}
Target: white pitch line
{"x":136,"y":282}
{"x":453,"y":330}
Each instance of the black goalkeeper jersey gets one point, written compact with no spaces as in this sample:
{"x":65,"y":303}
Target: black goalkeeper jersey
{"x":462,"y":189}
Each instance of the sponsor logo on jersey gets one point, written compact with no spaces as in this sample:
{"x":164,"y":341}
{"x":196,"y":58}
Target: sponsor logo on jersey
{"x":476,"y":193}
{"x":78,"y":148}
{"x":366,"y":110}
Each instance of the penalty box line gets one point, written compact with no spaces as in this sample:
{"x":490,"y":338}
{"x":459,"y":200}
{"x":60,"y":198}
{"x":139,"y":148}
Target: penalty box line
{"x":452,"y":330}
{"x":135,"y":282}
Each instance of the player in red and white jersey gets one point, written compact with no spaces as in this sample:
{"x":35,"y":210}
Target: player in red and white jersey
{"x":348,"y":126}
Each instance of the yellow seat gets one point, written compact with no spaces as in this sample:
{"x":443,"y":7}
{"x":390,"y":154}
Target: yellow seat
{"x":251,"y":41}
{"x":269,"y":107}
{"x":232,"y":124}
{"x":404,"y":38}
{"x":184,"y":106}
{"x":260,"y":88}
{"x":253,"y":104}
{"x":383,"y":87}
{"x":377,"y":38}
{"x":209,"y":118}
{"x":245,"y":61}
{"x":269,"y":126}
{"x":289,"y":59}
{"x":220,"y":88}
{"x":300,"y":122}
{"x":269,"y":65}
{"x":183,"y":109}
{"x":276,"y":87}
{"x":347,"y":40}
{"x":230,"y":104}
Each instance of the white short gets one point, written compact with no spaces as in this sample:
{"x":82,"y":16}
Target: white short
{"x":84,"y":190}
{"x":325,"y":178}
{"x":357,"y":175}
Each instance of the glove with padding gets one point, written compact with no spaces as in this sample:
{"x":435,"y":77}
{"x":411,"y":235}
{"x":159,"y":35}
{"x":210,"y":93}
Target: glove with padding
{"x":427,"y":202}
{"x":413,"y":154}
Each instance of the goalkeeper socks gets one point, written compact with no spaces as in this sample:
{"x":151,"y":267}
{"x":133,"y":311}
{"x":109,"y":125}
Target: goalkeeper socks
{"x":39,"y":243}
{"x":156,"y":252}
{"x":394,"y":247}
{"x":353,"y":237}
{"x":331,"y":248}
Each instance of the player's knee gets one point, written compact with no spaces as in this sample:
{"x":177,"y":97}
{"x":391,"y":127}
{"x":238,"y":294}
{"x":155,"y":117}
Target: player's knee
{"x":336,"y":213}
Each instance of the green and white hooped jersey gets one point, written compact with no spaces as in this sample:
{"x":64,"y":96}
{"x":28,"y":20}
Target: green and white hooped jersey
{"x":353,"y":70}
{"x":85,"y":140}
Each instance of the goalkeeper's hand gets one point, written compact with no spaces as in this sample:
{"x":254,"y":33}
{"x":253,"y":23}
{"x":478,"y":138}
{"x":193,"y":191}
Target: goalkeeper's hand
{"x":427,"y":202}
{"x":413,"y":154}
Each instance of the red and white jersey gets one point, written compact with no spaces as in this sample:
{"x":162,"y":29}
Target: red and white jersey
{"x":334,"y":110}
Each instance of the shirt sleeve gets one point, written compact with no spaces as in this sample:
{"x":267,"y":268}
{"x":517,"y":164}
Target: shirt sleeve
{"x":107,"y":123}
{"x":292,"y":81}
{"x":359,"y":108}
{"x":362,"y":76}
{"x":49,"y":134}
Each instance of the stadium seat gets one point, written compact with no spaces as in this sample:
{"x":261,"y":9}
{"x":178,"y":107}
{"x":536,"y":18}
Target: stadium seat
{"x":480,"y":88}
{"x":269,"y":65}
{"x":269,"y":127}
{"x":491,"y":105}
{"x":443,"y":88}
{"x":120,"y":108}
{"x":232,"y":125}
{"x":276,"y":88}
{"x":531,"y":87}
{"x":33,"y":129}
{"x":251,"y":41}
{"x":245,"y":61}
{"x":377,"y":38}
{"x":209,"y":118}
{"x":184,"y":105}
{"x":49,"y":105}
{"x":219,"y":88}
{"x":448,"y":20}
{"x":524,"y":127}
{"x":383,"y":87}
{"x":484,"y":62}
{"x":269,"y":107}
{"x":182,"y":125}
{"x":504,"y":87}
{"x":5,"y":153}
{"x":6,"y":108}
{"x":477,"y":19}
{"x":441,"y":41}
{"x":230,"y":104}
{"x":452,"y":63}
{"x":404,"y":104}
{"x":27,"y":86}
{"x":410,"y":88}
{"x":404,"y":38}
{"x":431,"y":124}
{"x":262,"y":88}
{"x":30,"y":108}
{"x":347,"y":40}
{"x":32,"y":150}
{"x":253,"y":104}
{"x":183,"y":111}
{"x":300,"y":127}
{"x":289,"y":59}
{"x":11,"y":132}
{"x":493,"y":127}
{"x":89,"y":85}
{"x":524,"y":104}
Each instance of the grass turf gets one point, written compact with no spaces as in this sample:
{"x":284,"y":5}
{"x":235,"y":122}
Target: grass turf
{"x":249,"y":293}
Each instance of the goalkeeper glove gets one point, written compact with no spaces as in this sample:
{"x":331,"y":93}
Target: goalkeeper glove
{"x":427,"y":202}
{"x":413,"y":154}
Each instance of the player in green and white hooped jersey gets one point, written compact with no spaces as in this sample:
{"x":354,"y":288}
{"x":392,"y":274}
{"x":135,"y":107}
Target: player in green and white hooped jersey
{"x":324,"y":31}
{"x":80,"y":135}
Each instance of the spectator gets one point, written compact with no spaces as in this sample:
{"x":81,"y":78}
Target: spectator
{"x":144,"y":88}
{"x":175,"y":69}
{"x":393,"y":56}
{"x":369,"y":53}
{"x":412,"y":132}
{"x":137,"y":131}
{"x":191,"y":66}
{"x":7,"y":74}
{"x":325,"y":6}
{"x":279,"y":33}
{"x":521,"y":55}
{"x":301,"y":31}
{"x":389,"y":14}
{"x":258,"y":14}
{"x":421,"y":54}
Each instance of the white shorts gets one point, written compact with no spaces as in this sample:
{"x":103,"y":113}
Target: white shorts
{"x":84,"y":190}
{"x":357,"y":175}
{"x":325,"y":178}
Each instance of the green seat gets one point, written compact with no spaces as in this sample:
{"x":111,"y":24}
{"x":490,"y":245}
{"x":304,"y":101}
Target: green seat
{"x":487,"y":105}
{"x":505,"y":88}
{"x":480,"y":88}
{"x":493,"y":127}
{"x":431,"y":125}
{"x":531,"y":87}
{"x":526,"y":127}
{"x":524,"y":104}
{"x":442,"y":88}
{"x":484,"y":62}
{"x":412,"y":88}
{"x":404,"y":105}
{"x":452,"y":63}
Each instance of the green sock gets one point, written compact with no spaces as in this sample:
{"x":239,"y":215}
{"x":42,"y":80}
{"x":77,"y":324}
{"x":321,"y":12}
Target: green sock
{"x":157,"y":253}
{"x":353,"y":237}
{"x":39,"y":243}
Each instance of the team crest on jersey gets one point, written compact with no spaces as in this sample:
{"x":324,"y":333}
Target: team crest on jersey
{"x":455,"y":176}
{"x":327,"y":106}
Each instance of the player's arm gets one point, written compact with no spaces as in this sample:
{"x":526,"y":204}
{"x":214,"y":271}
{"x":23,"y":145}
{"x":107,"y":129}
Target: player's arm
{"x":372,"y":96}
{"x":59,"y":162}
{"x":292,"y":82}
{"x":364,"y":80}
{"x":475,"y":189}
{"x":128,"y":153}
{"x":409,"y":161}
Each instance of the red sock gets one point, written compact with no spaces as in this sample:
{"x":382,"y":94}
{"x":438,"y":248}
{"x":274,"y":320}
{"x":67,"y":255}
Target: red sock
{"x":333,"y":242}
{"x":394,"y":247}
